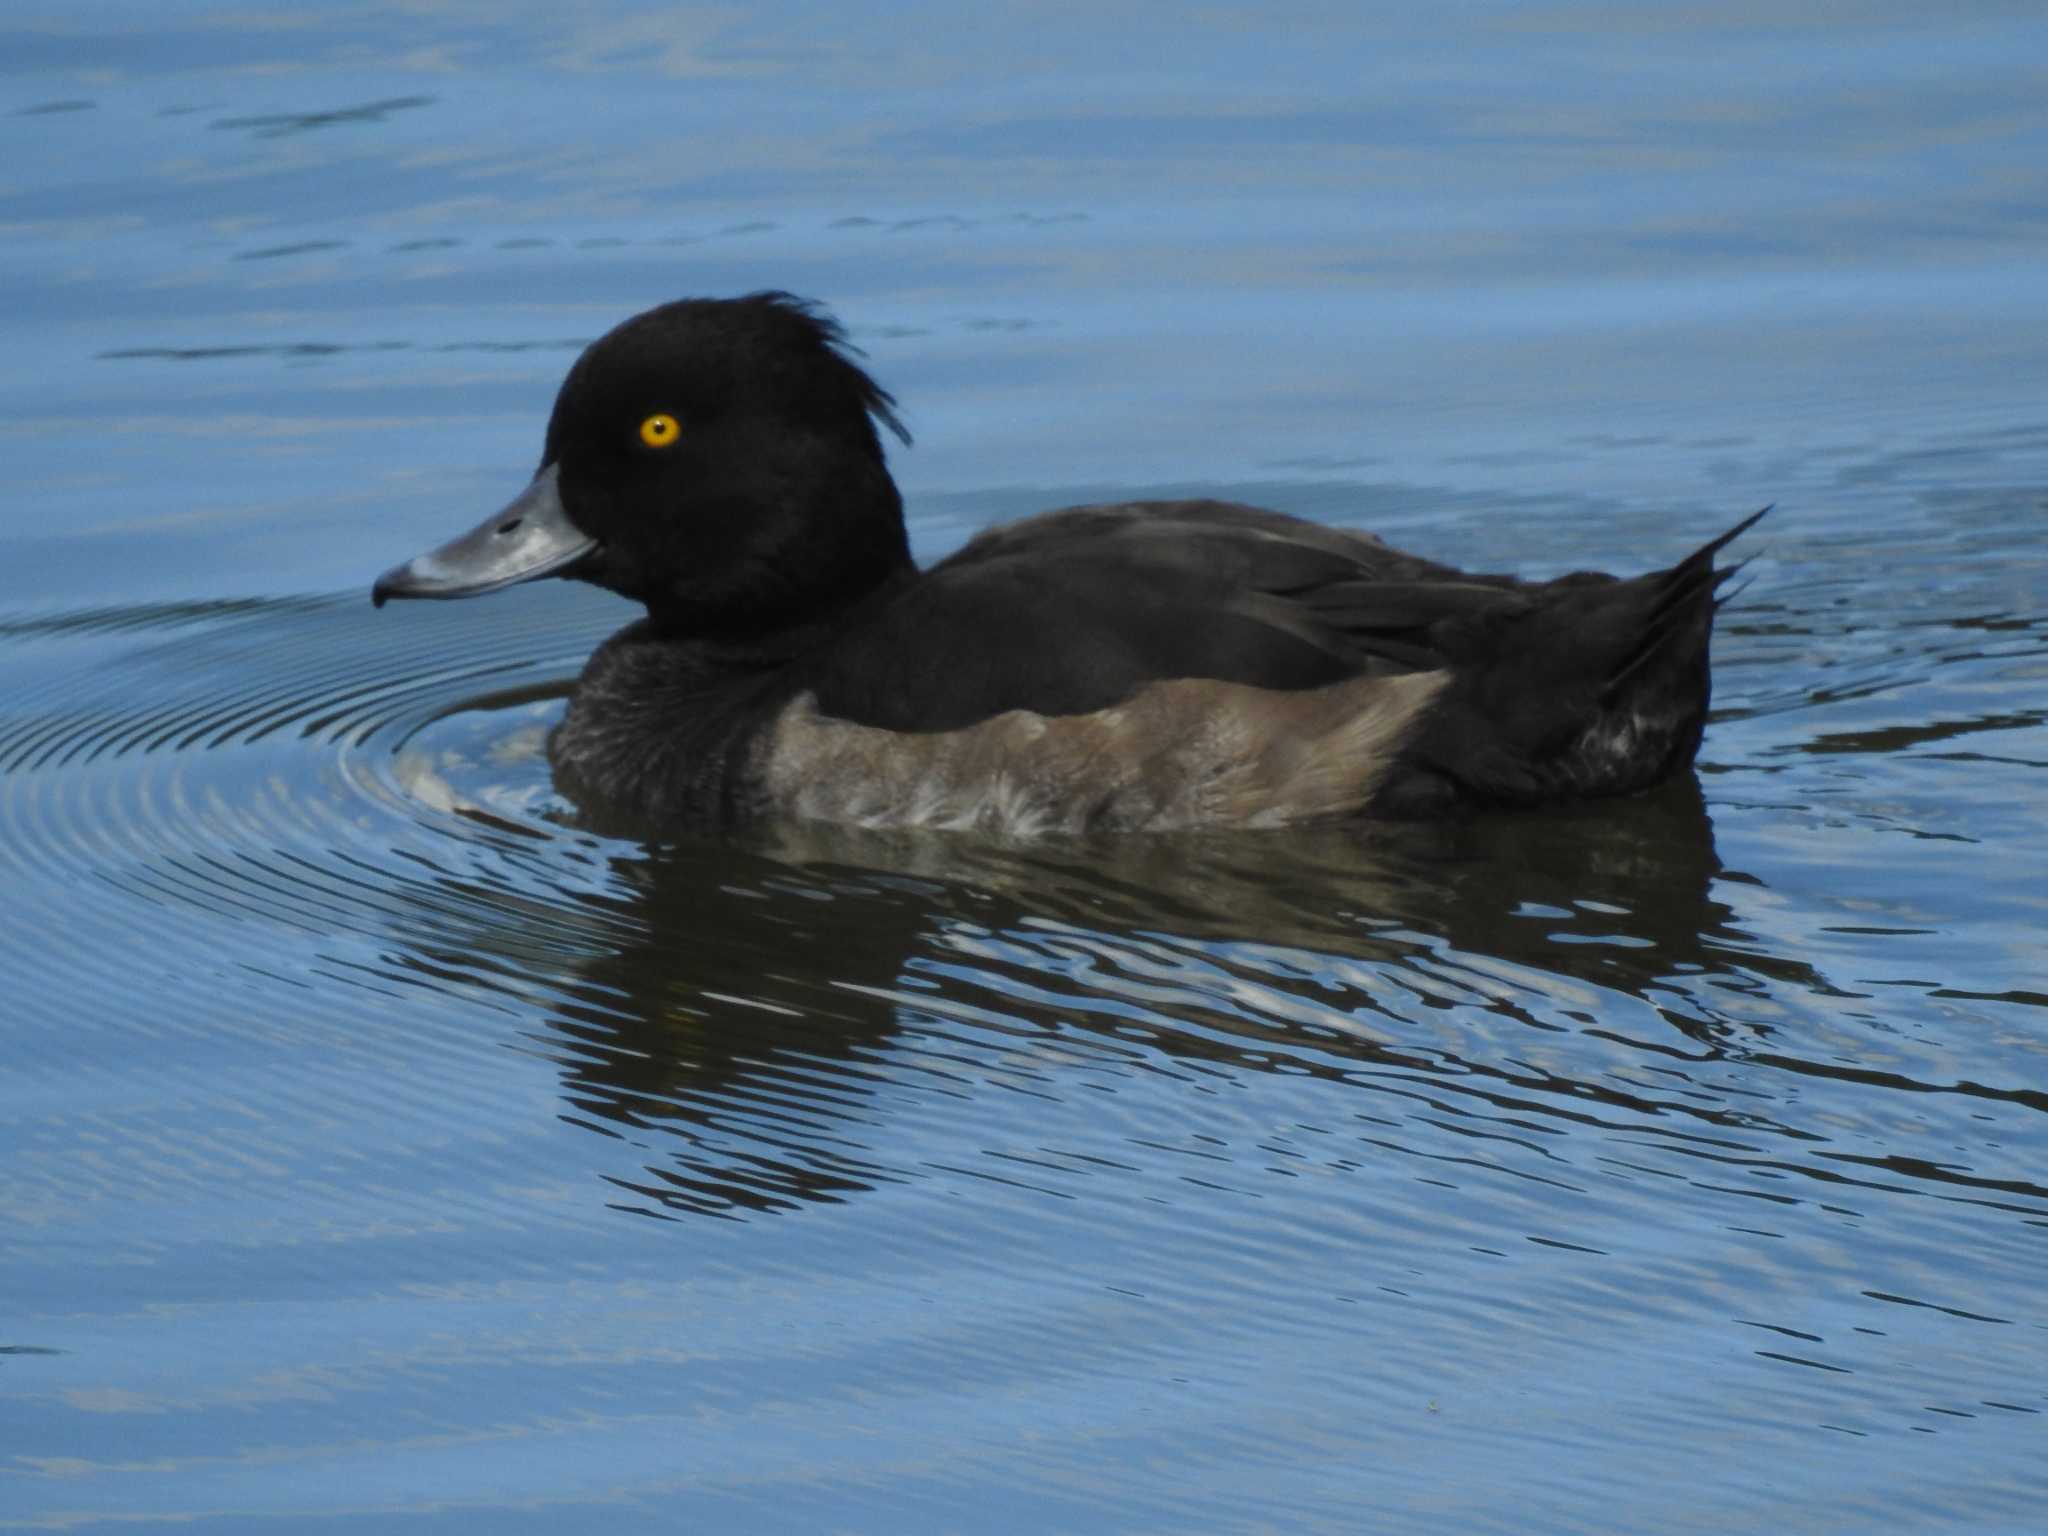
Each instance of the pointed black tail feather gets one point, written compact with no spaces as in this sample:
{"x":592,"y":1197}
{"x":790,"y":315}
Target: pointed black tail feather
{"x":1714,"y":546}
{"x":1690,"y":597}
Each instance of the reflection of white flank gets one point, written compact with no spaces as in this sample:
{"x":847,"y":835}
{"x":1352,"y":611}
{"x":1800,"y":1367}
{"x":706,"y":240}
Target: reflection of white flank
{"x":418,"y":777}
{"x":492,"y":768}
{"x":526,"y":745}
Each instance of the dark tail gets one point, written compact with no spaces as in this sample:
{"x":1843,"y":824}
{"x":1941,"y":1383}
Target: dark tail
{"x":1683,"y":614}
{"x":1595,"y":687}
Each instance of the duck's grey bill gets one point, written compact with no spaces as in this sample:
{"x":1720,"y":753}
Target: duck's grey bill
{"x":531,"y":538}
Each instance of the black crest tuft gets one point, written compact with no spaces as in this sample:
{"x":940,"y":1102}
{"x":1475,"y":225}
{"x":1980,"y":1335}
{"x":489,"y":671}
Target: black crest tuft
{"x":824,"y":332}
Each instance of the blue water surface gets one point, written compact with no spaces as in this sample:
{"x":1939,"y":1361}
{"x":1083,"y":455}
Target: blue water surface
{"x":379,"y":1147}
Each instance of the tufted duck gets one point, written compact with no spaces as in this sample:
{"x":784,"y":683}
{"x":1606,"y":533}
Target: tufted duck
{"x":1145,"y":665}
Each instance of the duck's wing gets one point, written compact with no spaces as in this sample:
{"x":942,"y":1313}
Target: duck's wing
{"x":1080,"y":610}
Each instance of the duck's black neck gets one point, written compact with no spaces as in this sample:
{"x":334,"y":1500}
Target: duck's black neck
{"x":753,"y":568}
{"x":774,"y":629}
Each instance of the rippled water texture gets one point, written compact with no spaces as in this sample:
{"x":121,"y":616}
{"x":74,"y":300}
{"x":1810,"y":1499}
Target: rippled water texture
{"x":378,"y":1141}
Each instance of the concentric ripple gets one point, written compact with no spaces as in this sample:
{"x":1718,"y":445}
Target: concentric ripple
{"x":299,"y":763}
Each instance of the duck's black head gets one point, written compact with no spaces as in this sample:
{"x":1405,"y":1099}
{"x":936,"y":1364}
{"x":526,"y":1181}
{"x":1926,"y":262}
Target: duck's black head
{"x":715,"y":459}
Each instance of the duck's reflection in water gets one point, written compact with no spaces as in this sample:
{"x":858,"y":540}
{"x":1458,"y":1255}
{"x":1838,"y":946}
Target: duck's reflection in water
{"x":753,"y":1013}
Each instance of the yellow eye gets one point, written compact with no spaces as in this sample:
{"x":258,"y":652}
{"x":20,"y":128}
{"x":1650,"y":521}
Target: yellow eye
{"x":659,"y":430}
